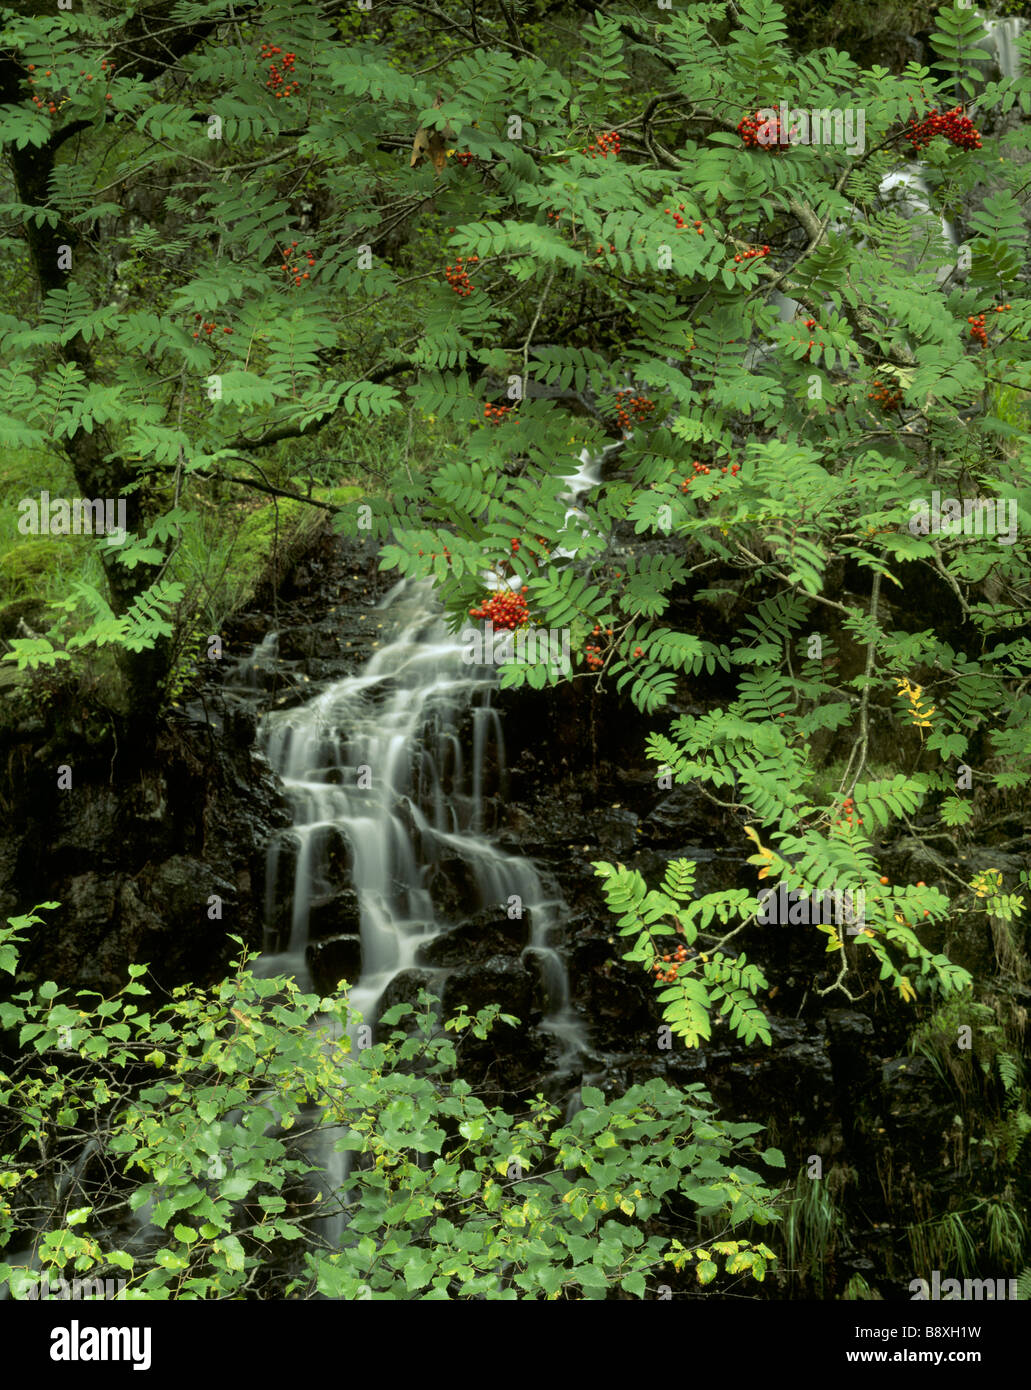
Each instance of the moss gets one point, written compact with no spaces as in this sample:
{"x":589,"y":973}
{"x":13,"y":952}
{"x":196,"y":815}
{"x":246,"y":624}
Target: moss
{"x":27,"y":472}
{"x":267,"y":548}
{"x":29,"y":565}
{"x":33,"y":611}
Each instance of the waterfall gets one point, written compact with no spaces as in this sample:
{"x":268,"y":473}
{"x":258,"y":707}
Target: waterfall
{"x":384,"y":799}
{"x":1000,"y":40}
{"x":586,"y":478}
{"x":906,"y":191}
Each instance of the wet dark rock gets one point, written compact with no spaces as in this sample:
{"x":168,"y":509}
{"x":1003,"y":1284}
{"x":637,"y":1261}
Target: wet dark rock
{"x":91,"y":817}
{"x":513,"y":1061}
{"x":339,"y":913}
{"x":614,"y":831}
{"x":849,"y":1037}
{"x":333,"y":908}
{"x":452,"y":887}
{"x":674,"y":813}
{"x":137,"y":858}
{"x":487,"y":933}
{"x":333,"y":959}
{"x":319,"y":673}
{"x":498,"y":980}
{"x":107,"y":920}
{"x":795,"y":1065}
{"x":187,"y":886}
{"x":310,"y":640}
{"x":617,"y":997}
{"x":404,"y":988}
{"x":910,"y":1107}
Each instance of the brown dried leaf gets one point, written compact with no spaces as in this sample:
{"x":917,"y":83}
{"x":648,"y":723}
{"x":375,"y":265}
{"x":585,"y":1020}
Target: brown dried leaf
{"x":429,"y":142}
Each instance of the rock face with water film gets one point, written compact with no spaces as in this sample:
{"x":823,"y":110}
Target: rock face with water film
{"x":154,"y":865}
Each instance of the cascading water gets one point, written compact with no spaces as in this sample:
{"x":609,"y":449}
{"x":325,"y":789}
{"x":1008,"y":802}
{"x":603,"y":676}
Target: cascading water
{"x":375,"y":773}
{"x":1000,"y":41}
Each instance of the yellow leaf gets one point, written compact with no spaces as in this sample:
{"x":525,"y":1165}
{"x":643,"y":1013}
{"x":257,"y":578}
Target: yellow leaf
{"x":906,"y":990}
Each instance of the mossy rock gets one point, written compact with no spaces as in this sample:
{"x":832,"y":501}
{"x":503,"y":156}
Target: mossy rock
{"x":256,"y":565}
{"x":11,"y":678}
{"x":33,"y":611}
{"x":30,"y":563}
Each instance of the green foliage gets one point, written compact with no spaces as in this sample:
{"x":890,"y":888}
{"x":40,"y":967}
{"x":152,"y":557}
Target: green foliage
{"x":204,"y":1114}
{"x":705,"y":979}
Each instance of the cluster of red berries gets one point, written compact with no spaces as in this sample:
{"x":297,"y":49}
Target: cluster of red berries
{"x":506,"y":609}
{"x":748,"y":255}
{"x":207,"y":328}
{"x":957,"y":129}
{"x":681,"y":223}
{"x":106,"y":67}
{"x":977,"y":324}
{"x":977,"y":329}
{"x":458,"y":278}
{"x":887,"y":399}
{"x":277,"y":80}
{"x":848,"y":807}
{"x":495,"y":413}
{"x":600,"y":250}
{"x":604,"y":144}
{"x":666,"y":967}
{"x":702,"y":468}
{"x":592,"y":652}
{"x":291,"y":268}
{"x":640,"y":407}
{"x":775,"y":139}
{"x":465,"y":158}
